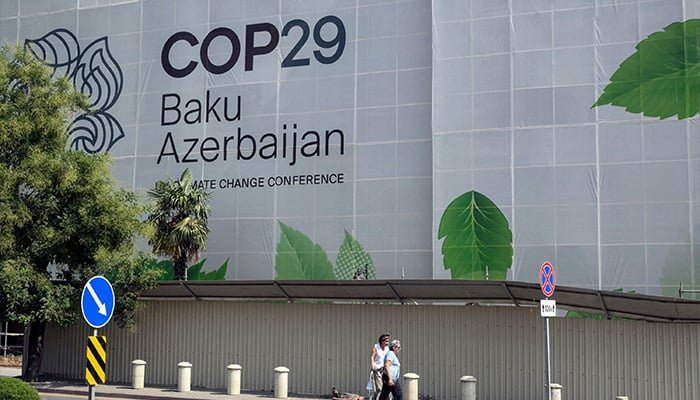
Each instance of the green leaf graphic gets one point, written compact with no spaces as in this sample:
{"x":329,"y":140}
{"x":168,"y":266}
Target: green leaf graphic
{"x":166,"y":266}
{"x":299,"y":258}
{"x":678,"y":270}
{"x":194,"y":272}
{"x":662,"y":78}
{"x":477,"y":238}
{"x":352,"y":258}
{"x":215,"y":275}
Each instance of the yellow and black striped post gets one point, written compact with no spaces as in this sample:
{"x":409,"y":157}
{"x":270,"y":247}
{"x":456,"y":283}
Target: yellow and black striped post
{"x":96,"y":360}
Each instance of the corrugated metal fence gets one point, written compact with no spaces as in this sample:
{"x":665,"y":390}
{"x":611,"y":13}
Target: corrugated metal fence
{"x":326,"y":345}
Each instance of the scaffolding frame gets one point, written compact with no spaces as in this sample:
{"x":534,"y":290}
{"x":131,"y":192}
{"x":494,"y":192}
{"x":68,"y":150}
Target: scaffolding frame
{"x":4,"y":335}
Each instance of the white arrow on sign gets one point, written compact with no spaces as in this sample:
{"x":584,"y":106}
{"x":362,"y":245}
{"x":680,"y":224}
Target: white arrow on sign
{"x":102,"y":306}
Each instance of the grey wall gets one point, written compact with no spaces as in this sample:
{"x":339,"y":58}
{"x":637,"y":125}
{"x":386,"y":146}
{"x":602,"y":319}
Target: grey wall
{"x":326,"y":345}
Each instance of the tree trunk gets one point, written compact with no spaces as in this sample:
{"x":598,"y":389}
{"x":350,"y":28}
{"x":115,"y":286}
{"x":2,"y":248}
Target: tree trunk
{"x":34,"y":351}
{"x":180,"y":269}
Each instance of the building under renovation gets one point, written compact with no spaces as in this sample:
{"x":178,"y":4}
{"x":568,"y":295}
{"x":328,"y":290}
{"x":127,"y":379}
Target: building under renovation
{"x":458,"y":145}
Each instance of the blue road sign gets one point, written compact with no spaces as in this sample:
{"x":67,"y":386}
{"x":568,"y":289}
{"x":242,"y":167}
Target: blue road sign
{"x":97,"y":301}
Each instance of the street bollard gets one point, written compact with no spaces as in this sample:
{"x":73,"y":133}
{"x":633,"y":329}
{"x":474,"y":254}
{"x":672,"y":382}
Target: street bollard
{"x":138,"y":372}
{"x":621,"y":398}
{"x":234,"y":379}
{"x":410,"y":382}
{"x":184,"y":376}
{"x":468,"y":387}
{"x":556,"y":391}
{"x":281,"y":380}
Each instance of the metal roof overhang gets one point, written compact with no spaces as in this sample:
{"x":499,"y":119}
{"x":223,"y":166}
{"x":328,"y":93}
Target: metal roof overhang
{"x":611,"y":304}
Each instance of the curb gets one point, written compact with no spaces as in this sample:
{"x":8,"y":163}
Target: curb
{"x":125,"y":393}
{"x":107,"y":395}
{"x":117,"y":392}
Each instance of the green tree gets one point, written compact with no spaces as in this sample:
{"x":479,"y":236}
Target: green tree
{"x":180,"y":221}
{"x":63,"y":219}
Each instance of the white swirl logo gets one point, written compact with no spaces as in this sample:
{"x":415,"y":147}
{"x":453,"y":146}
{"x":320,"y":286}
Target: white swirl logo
{"x":95,"y":73}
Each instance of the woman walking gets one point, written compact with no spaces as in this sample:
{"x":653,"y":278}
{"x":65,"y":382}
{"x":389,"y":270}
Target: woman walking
{"x":376,"y":358}
{"x":392,"y":372}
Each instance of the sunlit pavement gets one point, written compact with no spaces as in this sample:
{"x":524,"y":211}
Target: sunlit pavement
{"x":59,"y":389}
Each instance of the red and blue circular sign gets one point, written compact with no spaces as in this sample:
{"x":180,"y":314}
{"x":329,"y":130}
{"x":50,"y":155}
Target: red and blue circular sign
{"x":547,"y":279}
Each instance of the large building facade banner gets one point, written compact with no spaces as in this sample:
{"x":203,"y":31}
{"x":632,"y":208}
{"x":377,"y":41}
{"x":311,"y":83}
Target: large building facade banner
{"x":410,"y":139}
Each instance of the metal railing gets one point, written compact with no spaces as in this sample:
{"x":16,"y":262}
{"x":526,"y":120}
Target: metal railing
{"x":5,"y":334}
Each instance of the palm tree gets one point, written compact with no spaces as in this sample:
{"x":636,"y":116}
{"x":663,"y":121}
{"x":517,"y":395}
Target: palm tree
{"x":179,"y":217}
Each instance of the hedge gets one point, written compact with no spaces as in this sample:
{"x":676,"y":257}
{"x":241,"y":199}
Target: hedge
{"x":15,"y":389}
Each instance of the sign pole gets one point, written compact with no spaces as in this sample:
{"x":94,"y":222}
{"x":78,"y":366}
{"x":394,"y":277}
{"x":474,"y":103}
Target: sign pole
{"x":547,"y":364}
{"x":91,"y":388}
{"x":548,"y":308}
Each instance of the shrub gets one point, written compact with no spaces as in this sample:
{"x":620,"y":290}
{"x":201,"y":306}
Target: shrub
{"x":15,"y":389}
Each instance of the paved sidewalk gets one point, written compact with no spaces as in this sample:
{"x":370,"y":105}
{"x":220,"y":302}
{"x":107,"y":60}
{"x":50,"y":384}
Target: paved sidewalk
{"x":10,"y":371}
{"x":127,"y":392}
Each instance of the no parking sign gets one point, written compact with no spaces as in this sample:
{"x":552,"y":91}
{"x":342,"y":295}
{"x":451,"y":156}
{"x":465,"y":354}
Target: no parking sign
{"x":548,"y":280}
